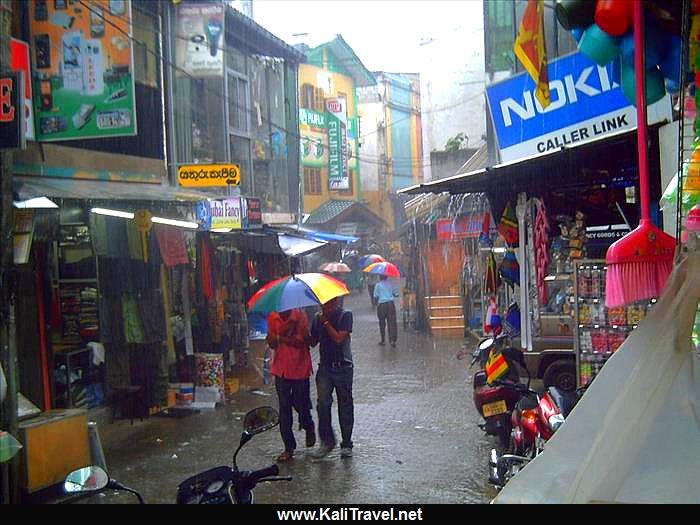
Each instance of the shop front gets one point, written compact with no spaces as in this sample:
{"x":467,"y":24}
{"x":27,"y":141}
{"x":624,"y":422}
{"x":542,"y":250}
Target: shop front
{"x":541,"y":259}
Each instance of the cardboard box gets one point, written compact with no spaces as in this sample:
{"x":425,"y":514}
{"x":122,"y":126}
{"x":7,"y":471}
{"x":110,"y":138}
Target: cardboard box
{"x":55,"y":443}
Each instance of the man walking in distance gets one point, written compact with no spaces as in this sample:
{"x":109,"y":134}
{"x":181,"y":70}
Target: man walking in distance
{"x":384,"y":293}
{"x":288,"y":334}
{"x":332,"y":328}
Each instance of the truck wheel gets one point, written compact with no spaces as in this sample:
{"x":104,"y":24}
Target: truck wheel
{"x":561,"y":374}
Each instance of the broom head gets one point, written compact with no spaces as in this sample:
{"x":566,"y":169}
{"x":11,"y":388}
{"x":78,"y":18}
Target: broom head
{"x":638,"y":265}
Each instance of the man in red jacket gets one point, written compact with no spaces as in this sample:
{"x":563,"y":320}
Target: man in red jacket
{"x":287,"y":334}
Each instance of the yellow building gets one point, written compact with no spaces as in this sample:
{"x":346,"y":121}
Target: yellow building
{"x":329,"y":128}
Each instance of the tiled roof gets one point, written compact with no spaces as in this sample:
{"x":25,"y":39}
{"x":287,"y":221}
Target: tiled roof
{"x":328,"y":211}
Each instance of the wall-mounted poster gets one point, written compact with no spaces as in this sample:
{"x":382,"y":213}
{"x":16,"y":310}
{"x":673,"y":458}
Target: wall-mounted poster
{"x":314,"y":138}
{"x":200,"y":43}
{"x":83,"y":69}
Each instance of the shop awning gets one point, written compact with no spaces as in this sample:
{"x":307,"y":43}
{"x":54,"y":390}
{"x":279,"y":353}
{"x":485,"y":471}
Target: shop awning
{"x":601,"y":155}
{"x":275,"y":243}
{"x":295,"y":246}
{"x":31,"y":187}
{"x":318,"y":235}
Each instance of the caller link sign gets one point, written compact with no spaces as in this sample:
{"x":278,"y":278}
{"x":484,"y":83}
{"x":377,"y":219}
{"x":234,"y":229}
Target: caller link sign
{"x":586,"y":104}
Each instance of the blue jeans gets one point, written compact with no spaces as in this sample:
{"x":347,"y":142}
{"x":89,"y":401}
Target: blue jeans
{"x":340,"y":379}
{"x":293,"y":393}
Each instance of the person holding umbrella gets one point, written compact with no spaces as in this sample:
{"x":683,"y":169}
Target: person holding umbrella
{"x":332,"y":328}
{"x":287,"y":335}
{"x":288,"y":330}
{"x":384,"y":293}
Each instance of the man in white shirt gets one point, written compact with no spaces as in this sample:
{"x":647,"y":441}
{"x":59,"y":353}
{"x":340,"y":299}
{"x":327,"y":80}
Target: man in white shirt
{"x":384,"y":293}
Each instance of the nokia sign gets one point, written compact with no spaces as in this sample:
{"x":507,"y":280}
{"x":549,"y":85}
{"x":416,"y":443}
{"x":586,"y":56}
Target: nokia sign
{"x":585,"y":103}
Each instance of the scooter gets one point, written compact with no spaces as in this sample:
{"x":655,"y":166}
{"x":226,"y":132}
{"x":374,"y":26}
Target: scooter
{"x":219,"y":485}
{"x":495,"y":402}
{"x":534,"y":421}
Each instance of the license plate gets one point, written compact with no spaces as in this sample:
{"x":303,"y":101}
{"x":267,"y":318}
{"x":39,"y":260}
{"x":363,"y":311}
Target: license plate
{"x":495,"y":408}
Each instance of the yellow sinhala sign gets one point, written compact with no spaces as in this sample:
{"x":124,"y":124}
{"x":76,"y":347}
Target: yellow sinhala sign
{"x":209,"y":175}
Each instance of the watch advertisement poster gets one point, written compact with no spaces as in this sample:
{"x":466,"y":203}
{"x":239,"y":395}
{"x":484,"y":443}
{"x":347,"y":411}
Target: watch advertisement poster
{"x":199,"y":44}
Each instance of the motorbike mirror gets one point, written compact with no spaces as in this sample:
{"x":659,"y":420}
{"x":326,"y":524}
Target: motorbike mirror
{"x":486,"y":343}
{"x":260,"y":419}
{"x":87,"y":479}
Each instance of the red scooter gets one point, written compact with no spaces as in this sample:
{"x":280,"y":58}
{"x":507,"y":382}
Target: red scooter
{"x":534,"y":420}
{"x":495,"y":402}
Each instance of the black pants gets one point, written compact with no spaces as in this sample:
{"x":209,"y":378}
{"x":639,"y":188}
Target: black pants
{"x":386,"y":312}
{"x":293,"y":393}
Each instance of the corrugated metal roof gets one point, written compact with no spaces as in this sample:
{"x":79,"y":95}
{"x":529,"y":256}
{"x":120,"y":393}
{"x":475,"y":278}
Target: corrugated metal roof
{"x":258,"y":38}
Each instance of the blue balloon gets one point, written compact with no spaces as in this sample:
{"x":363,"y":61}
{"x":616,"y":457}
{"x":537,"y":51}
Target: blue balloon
{"x":670,"y":64}
{"x":577,"y":33}
{"x":598,"y":45}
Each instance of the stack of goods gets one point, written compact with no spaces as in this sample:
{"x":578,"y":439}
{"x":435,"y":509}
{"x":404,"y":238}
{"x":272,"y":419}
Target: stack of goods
{"x":89,"y":326}
{"x":572,"y":239}
{"x":601,"y":330}
{"x":70,"y":313}
{"x":210,"y":371}
{"x":184,"y":392}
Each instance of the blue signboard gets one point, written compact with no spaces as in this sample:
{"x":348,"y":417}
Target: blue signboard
{"x":585,"y":104}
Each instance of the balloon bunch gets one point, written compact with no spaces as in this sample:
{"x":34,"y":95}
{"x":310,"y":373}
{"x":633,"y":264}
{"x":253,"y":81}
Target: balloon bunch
{"x":604,"y":32}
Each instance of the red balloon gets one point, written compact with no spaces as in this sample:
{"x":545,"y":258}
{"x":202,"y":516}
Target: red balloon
{"x":614,"y":16}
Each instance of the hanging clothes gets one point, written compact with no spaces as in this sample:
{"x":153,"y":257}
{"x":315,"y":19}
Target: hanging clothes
{"x":493,"y":323}
{"x":117,"y":242}
{"x":509,"y":269}
{"x":135,"y":242}
{"x":492,"y":279}
{"x":133,"y":328}
{"x":508,"y":226}
{"x":542,"y":257}
{"x":98,"y":233}
{"x":206,"y":268}
{"x":152,"y":313}
{"x":172,"y":245}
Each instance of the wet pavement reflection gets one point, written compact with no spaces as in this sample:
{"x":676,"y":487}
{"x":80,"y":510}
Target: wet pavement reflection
{"x":416,"y":436}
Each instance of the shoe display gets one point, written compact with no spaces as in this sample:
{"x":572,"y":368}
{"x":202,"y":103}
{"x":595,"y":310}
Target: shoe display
{"x":345,"y":452}
{"x":310,"y":437}
{"x":287,"y":455}
{"x":322,"y":451}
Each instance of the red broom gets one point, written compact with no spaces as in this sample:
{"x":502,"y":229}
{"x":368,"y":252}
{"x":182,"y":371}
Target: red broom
{"x":639,"y":264}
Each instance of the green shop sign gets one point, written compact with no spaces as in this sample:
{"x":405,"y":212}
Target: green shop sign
{"x":336,"y":118}
{"x":311,"y":118}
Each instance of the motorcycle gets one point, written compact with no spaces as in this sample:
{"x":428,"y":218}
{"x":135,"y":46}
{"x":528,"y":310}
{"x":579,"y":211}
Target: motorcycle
{"x":495,"y":402}
{"x":534,"y":421}
{"x":219,"y":485}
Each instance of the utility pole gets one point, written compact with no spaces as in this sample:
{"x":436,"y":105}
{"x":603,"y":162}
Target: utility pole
{"x":9,"y":471}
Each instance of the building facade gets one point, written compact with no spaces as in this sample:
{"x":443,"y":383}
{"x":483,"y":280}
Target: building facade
{"x":391,"y":150}
{"x":329,"y":124}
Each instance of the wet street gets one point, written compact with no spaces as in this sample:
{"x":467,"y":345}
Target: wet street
{"x":416,"y":436}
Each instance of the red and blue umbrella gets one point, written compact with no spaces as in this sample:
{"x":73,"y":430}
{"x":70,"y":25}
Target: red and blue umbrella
{"x":383,"y":268}
{"x":296,"y":291}
{"x":366,"y":260}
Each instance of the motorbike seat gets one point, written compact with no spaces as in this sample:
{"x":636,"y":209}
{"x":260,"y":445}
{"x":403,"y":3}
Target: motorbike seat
{"x":527,"y":403}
